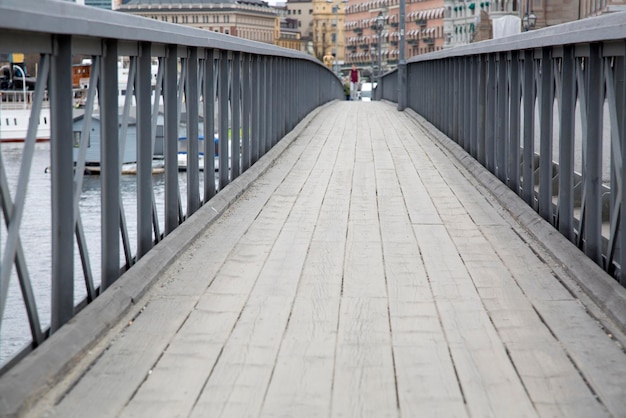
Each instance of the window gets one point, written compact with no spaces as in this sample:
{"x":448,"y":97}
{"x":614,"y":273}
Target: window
{"x":77,"y":135}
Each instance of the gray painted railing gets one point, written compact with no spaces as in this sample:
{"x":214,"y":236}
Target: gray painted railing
{"x":544,"y":112}
{"x":257,"y":93}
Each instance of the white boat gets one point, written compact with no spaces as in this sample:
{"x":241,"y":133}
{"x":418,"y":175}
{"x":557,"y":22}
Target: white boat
{"x":15,"y":111}
{"x":182,"y":153}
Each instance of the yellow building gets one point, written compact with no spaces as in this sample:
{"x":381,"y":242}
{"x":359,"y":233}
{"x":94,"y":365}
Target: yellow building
{"x":328,"y":30}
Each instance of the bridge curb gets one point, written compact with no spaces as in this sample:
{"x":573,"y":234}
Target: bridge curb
{"x":33,"y":376}
{"x":603,"y":290}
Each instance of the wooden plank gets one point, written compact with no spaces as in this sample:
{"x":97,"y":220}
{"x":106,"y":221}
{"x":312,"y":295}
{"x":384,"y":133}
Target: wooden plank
{"x":364,"y":383}
{"x":239,"y":382}
{"x":302,"y":380}
{"x":426,"y":380}
{"x":410,"y":160}
{"x":114,"y":378}
{"x":548,"y":375}
{"x":488,"y":379}
{"x":598,"y":358}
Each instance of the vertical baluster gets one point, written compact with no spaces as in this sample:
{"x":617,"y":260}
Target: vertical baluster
{"x":567,"y":118}
{"x":210,"y":56}
{"x":545,"y":135}
{"x":593,"y":167}
{"x":144,"y":150}
{"x":528,"y":103}
{"x":110,"y":165}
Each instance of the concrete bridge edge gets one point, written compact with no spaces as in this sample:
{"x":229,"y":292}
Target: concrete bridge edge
{"x":583,"y":278}
{"x":39,"y":371}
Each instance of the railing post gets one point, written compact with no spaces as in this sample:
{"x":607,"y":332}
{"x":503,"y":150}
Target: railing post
{"x":263,"y":103}
{"x":482,"y":109}
{"x":247,"y":107}
{"x":170,"y":139}
{"x":502,"y":116}
{"x":144,"y":150}
{"x":474,"y":97}
{"x":193,"y":119}
{"x":235,"y":144}
{"x":528,"y":91}
{"x":490,"y":114}
{"x":209,"y":123}
{"x":60,"y":86}
{"x":465,"y":129}
{"x":110,"y":165}
{"x":620,"y":97}
{"x":255,"y":109}
{"x":566,"y":143}
{"x":592,"y":229}
{"x":223,"y":110}
{"x":514,"y":123}
{"x":545,"y":136}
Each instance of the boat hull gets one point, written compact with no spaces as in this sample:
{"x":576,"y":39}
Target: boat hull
{"x":14,"y":125}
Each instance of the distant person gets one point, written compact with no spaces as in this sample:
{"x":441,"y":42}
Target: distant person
{"x":354,"y":82}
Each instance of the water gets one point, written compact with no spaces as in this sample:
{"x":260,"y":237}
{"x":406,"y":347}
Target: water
{"x":36,"y":239}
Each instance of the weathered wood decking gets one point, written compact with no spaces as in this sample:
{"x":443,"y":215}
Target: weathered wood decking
{"x":365,"y":274}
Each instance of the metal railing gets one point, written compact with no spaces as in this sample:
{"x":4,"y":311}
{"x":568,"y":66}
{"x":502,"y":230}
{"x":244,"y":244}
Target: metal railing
{"x":544,"y":111}
{"x":241,"y":96}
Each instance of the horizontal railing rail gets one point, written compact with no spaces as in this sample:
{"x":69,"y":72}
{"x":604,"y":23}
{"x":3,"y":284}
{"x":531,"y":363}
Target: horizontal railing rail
{"x":67,"y":236}
{"x":544,"y":111}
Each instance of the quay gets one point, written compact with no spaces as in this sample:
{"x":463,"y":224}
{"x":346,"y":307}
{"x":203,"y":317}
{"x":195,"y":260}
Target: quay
{"x":365,"y":267}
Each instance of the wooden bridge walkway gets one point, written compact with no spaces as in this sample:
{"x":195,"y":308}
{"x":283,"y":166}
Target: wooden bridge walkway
{"x":368,"y":272}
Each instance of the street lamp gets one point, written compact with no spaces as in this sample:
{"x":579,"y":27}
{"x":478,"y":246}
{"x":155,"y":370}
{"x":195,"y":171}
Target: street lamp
{"x":380,"y":25}
{"x":529,"y":20}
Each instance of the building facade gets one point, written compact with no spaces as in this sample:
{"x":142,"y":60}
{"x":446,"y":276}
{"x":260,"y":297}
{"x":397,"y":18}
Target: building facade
{"x":464,"y":18}
{"x":372,"y":31}
{"x":249,"y":19}
{"x":290,"y":36}
{"x":302,"y":11}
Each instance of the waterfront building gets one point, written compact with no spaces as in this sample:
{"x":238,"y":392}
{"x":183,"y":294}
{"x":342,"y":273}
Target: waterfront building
{"x":373,"y":34}
{"x":302,"y":11}
{"x":290,"y":36}
{"x":464,"y":19}
{"x":249,"y":19}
